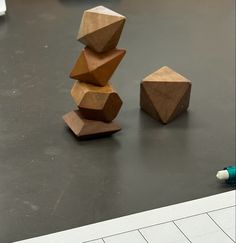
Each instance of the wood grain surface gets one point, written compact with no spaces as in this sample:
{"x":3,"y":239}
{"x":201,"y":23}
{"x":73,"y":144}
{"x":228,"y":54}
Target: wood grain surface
{"x":96,"y":68}
{"x":100,"y":28}
{"x":96,"y":103}
{"x":84,"y":128}
{"x":165,"y":94}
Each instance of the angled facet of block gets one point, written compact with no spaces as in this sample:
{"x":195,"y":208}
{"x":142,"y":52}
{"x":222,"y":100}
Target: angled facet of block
{"x":100,"y":28}
{"x":96,"y":103}
{"x":84,"y":128}
{"x":96,"y":68}
{"x":165,"y":94}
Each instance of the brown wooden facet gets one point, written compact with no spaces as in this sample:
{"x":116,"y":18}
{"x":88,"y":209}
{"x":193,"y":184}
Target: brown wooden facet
{"x":96,"y":103}
{"x":96,"y":68}
{"x":84,"y":128}
{"x":100,"y":28}
{"x":165,"y":94}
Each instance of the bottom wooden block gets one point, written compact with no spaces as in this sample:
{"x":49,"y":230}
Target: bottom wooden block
{"x":84,"y":128}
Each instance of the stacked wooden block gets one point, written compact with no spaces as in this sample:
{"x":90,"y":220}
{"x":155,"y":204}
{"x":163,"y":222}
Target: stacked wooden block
{"x":98,"y":103}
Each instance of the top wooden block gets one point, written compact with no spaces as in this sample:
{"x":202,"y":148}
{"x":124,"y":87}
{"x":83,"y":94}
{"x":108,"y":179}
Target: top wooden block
{"x":165,"y":74}
{"x":100,"y":28}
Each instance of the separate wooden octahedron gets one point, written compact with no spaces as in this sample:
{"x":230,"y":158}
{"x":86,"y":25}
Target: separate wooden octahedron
{"x":98,"y":103}
{"x":165,"y":94}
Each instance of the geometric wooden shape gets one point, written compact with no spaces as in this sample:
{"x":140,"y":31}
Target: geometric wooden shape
{"x":96,"y":68}
{"x":96,"y":103}
{"x":165,"y":94}
{"x":100,"y":28}
{"x":84,"y":128}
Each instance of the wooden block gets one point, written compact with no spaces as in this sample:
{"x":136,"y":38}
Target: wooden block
{"x":96,"y":68}
{"x":84,"y":128}
{"x":100,"y":28}
{"x":96,"y":103}
{"x":165,"y":94}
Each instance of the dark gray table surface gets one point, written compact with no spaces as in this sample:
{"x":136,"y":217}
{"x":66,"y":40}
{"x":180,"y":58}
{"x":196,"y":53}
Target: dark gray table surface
{"x":49,"y":181}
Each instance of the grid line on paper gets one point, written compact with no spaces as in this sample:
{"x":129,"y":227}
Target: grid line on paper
{"x":94,"y":240}
{"x":219,"y":209}
{"x":219,"y":226}
{"x":142,"y":235}
{"x":153,"y":225}
{"x":121,"y":233}
{"x":182,"y":232}
{"x":169,"y":221}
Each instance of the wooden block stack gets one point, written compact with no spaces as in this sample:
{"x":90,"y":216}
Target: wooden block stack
{"x":98,"y":103}
{"x":165,"y":94}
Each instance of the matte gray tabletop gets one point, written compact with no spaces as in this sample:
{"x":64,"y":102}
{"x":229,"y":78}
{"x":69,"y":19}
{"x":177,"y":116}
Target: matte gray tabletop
{"x":50,"y":181}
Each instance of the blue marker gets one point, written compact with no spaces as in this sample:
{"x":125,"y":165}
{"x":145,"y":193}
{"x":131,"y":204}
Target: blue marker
{"x":228,"y":174}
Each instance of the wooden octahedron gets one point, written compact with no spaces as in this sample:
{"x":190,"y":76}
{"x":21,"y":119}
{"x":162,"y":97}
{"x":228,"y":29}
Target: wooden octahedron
{"x":100,"y":29}
{"x":98,"y":103}
{"x":165,"y":94}
{"x":96,"y":68}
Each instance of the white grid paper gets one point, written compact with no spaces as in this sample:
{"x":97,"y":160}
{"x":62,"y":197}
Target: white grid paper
{"x":3,"y":7}
{"x":210,"y":220}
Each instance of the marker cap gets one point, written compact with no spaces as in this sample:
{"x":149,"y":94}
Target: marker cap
{"x":222,"y":175}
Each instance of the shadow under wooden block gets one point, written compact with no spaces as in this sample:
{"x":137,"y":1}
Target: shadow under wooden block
{"x":96,"y":68}
{"x":87,"y":129}
{"x":96,"y":103}
{"x":165,"y":94}
{"x":100,"y":28}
